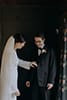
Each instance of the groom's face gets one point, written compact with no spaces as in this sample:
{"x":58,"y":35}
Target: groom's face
{"x":39,"y":41}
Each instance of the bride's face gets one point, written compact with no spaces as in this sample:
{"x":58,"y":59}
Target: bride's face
{"x":19,"y":45}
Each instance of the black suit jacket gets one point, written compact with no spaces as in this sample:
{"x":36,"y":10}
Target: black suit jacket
{"x":46,"y":70}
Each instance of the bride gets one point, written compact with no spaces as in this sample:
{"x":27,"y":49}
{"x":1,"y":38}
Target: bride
{"x":10,"y":61}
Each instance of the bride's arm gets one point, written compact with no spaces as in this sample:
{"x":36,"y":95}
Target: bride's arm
{"x":24,"y":64}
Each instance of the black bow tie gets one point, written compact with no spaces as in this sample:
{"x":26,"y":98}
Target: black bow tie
{"x":41,"y":48}
{"x":44,"y":48}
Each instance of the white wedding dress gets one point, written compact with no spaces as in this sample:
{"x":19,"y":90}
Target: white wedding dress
{"x":8,"y":75}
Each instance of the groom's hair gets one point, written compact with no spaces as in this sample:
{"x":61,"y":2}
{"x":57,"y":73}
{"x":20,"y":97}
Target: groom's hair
{"x":19,"y":37}
{"x":40,"y":34}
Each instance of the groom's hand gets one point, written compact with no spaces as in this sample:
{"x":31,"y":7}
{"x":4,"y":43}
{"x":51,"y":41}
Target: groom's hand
{"x":49,"y":86}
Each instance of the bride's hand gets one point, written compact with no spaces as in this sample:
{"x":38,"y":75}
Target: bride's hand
{"x":33,"y":64}
{"x":17,"y":93}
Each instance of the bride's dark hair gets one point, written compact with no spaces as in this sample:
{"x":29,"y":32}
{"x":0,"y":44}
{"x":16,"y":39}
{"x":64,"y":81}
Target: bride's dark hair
{"x":18,"y":37}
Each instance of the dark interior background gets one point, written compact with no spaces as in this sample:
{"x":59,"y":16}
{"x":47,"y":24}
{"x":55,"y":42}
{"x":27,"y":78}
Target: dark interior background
{"x":29,"y":17}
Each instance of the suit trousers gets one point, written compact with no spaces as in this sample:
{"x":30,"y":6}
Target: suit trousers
{"x":44,"y":93}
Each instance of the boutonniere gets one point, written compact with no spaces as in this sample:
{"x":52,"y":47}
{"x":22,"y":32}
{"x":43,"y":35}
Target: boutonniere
{"x":44,"y":51}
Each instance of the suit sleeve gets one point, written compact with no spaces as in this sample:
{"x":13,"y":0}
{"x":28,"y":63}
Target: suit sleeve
{"x":52,"y":67}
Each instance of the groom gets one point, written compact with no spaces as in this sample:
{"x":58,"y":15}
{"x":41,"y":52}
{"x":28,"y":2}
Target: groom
{"x":46,"y":70}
